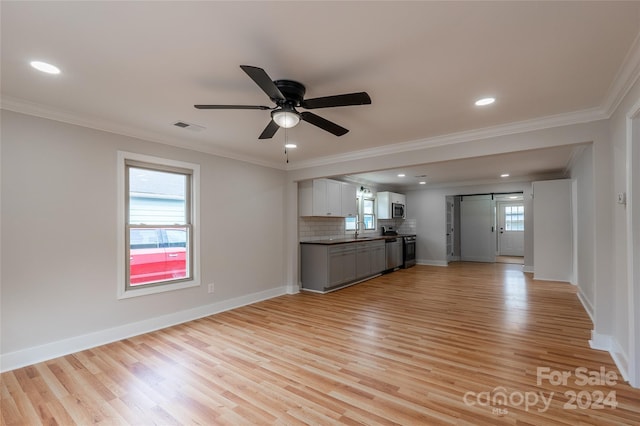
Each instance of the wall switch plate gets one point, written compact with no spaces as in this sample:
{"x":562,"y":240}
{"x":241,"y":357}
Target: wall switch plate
{"x":210,"y":288}
{"x":622,"y":198}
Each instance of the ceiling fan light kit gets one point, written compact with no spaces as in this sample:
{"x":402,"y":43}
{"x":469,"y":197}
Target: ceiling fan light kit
{"x":289,"y":94}
{"x":286,"y":119}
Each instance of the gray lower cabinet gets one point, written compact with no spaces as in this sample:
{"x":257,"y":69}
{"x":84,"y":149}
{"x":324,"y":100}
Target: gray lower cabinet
{"x":379,"y":258}
{"x":326,"y":267}
{"x":370,"y":258}
{"x":342,"y":265}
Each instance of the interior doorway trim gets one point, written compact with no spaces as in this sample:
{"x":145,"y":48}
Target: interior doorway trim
{"x":633,"y":240}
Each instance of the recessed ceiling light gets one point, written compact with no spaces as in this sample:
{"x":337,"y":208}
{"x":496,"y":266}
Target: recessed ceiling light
{"x":485,"y":101}
{"x":291,"y":145}
{"x":513,"y":197}
{"x":423,"y":183}
{"x":504,"y":175}
{"x":401,"y":175}
{"x":45,"y":67}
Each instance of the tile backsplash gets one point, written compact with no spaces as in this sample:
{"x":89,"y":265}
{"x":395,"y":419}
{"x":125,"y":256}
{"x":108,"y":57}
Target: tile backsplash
{"x":324,"y":228}
{"x":321,"y":228}
{"x":402,"y":226}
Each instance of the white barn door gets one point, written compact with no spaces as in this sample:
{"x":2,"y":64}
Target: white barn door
{"x":477,"y":229}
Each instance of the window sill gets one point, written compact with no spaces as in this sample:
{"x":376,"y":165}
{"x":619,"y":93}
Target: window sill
{"x":127,"y":294}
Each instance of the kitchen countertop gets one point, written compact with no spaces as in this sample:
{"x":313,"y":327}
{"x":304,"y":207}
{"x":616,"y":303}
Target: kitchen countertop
{"x":335,"y":241}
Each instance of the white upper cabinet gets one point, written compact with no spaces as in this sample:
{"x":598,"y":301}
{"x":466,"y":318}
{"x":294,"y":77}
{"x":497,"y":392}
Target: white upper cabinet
{"x":385,"y":199}
{"x":349,"y":201}
{"x":326,"y":197}
{"x":398,"y":198}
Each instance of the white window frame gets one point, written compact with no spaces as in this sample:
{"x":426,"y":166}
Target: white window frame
{"x":360,"y":216}
{"x":373,"y":214}
{"x":122,"y":291}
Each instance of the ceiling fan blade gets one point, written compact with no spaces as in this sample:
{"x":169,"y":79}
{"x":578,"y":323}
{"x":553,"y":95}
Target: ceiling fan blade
{"x":262,"y":107}
{"x":359,"y":98}
{"x":323,"y":123}
{"x":263,"y":80}
{"x":269,"y":131}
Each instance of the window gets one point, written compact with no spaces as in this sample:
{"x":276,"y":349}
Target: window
{"x":157,"y":203}
{"x":514,"y":218}
{"x":366,"y":212}
{"x":350,"y":223}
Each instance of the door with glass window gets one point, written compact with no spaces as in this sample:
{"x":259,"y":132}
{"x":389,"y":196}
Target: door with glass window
{"x":511,"y":229}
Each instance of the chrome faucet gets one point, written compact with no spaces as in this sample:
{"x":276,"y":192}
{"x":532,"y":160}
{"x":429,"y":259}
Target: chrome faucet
{"x":358,"y":228}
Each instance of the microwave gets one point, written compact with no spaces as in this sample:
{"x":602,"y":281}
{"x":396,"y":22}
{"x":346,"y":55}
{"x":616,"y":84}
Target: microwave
{"x":397,"y":211}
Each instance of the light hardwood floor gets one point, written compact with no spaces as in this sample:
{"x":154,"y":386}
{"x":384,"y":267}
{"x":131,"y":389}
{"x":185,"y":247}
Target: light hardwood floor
{"x":420,"y":346}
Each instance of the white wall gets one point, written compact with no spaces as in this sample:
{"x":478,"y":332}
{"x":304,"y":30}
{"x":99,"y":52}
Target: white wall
{"x":582,"y":174}
{"x":614,"y":312}
{"x":59,"y":237}
{"x":553,"y":230}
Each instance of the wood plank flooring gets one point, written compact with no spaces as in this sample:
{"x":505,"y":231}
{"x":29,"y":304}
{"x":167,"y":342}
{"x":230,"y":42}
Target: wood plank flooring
{"x":422,"y":346}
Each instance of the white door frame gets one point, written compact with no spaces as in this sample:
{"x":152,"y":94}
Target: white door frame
{"x":500,"y":205}
{"x":633,"y":241}
{"x":450,"y":228}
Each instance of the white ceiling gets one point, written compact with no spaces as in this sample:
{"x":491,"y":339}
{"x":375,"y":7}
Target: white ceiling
{"x":137,"y":67}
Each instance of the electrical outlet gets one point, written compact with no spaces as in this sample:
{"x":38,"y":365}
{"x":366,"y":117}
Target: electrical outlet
{"x":210,"y":288}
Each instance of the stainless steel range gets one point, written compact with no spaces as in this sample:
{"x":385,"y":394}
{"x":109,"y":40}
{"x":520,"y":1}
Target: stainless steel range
{"x":409,"y":251}
{"x":408,"y":246}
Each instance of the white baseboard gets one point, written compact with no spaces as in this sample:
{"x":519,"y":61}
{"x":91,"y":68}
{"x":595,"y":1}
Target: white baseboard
{"x":294,"y":289}
{"x":431,"y":262}
{"x":527,"y":268}
{"x":601,"y":342}
{"x":620,"y":358}
{"x":28,"y":356}
{"x":604,"y":342}
{"x":586,"y":304}
{"x":538,"y":278}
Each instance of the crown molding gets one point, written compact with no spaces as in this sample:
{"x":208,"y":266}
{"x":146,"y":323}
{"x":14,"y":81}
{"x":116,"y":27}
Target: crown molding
{"x":56,"y":114}
{"x":559,"y":120}
{"x":625,"y":78}
{"x":26,"y":107}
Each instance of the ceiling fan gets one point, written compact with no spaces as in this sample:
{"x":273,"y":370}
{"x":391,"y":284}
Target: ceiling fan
{"x":289,"y":94}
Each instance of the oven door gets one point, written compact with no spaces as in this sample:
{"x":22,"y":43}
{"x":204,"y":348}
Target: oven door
{"x":409,"y":252}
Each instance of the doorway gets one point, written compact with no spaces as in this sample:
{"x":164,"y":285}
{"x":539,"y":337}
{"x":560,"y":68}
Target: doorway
{"x":510,"y":228}
{"x":451,"y":228}
{"x":633,"y":241}
{"x":474,"y":224}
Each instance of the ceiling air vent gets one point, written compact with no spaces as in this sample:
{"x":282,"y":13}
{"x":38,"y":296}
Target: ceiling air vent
{"x":188,"y":126}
